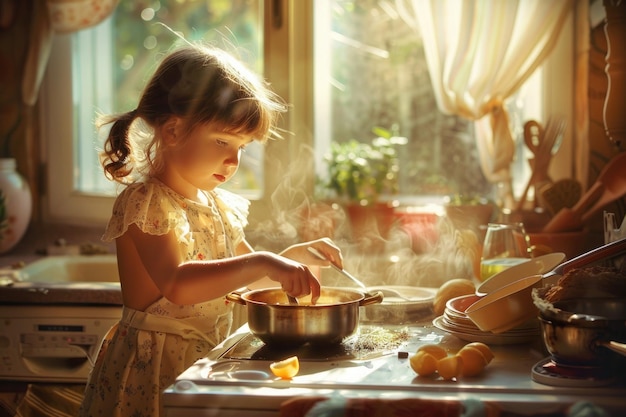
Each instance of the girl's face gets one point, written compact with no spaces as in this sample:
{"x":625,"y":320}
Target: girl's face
{"x":207,"y":158}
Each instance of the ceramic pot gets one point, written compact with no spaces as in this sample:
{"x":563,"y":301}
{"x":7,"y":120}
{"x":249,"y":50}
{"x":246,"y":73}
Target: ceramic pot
{"x":15,"y":205}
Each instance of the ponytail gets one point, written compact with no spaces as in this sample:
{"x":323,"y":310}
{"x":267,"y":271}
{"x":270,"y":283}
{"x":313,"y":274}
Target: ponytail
{"x":117,"y":155}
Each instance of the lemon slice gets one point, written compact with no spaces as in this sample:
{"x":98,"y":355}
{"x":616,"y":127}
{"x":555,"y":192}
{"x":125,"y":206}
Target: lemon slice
{"x":287,"y":368}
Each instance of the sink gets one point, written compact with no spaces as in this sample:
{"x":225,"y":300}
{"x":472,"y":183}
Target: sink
{"x":71,"y":268}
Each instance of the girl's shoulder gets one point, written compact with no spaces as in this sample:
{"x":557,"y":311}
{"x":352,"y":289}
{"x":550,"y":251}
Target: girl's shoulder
{"x":151,"y":205}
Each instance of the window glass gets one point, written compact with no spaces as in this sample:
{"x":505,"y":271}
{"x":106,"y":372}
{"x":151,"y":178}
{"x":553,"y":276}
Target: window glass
{"x":372,"y":72}
{"x":369,"y":71}
{"x":113,"y":61}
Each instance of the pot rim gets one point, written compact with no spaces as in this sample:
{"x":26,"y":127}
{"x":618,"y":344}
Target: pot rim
{"x":574,"y":322}
{"x":361,"y":298}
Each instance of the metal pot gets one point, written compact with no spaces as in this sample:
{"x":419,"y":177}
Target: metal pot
{"x":273,"y":320}
{"x":585,"y":331}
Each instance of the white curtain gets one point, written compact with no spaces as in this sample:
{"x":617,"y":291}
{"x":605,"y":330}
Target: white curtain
{"x":479,"y":53}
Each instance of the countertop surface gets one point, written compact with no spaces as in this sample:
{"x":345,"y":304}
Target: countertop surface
{"x":33,"y":247}
{"x":246,"y":386}
{"x":101,"y":293}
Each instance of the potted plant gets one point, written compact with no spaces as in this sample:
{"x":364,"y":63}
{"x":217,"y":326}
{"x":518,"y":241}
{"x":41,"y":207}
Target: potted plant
{"x":361,"y":175}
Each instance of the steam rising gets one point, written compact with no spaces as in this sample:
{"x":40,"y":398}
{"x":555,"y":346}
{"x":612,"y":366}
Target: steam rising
{"x":415,"y":252}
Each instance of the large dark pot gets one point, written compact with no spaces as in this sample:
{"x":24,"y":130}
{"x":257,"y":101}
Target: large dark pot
{"x":273,"y":320}
{"x":585,"y":331}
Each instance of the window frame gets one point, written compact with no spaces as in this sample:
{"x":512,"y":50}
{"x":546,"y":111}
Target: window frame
{"x":289,"y":66}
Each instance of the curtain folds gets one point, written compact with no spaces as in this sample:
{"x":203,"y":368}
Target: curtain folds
{"x":479,"y":53}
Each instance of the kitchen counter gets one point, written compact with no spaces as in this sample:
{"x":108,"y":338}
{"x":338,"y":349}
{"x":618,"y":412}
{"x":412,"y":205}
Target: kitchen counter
{"x":241,"y":387}
{"x":74,"y":293}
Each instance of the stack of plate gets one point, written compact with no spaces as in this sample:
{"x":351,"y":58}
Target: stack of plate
{"x":455,"y":321}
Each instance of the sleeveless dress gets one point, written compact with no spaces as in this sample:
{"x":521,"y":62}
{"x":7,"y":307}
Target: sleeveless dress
{"x":146,"y":351}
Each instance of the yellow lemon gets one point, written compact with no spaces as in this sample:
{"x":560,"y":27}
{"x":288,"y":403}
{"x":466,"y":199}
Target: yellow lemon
{"x":450,"y":367}
{"x":449,"y":290}
{"x":287,"y":368}
{"x":423,"y":363}
{"x":473,"y":361}
{"x":437,"y":351}
{"x":484,"y":349}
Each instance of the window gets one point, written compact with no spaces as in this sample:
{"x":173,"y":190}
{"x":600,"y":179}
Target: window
{"x":110,"y":64}
{"x":366,"y":69}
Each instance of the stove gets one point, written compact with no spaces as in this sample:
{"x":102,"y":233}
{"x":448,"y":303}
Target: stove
{"x":235,"y":379}
{"x":550,"y":372}
{"x":368,"y":342}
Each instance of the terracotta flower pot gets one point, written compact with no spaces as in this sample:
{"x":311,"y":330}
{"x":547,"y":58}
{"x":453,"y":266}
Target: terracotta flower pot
{"x":371,"y":224}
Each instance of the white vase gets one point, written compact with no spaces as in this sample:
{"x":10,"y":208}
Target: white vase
{"x":15,"y":205}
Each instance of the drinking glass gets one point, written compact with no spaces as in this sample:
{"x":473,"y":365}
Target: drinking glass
{"x":505,"y":245}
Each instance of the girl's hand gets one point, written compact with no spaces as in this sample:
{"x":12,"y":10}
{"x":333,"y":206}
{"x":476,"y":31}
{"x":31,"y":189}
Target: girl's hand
{"x":295,"y":278}
{"x":324,"y":245}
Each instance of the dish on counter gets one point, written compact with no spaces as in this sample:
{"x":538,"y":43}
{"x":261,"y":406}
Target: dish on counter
{"x":399,"y":294}
{"x":534,"y":266}
{"x":401,"y":304}
{"x":507,"y":338}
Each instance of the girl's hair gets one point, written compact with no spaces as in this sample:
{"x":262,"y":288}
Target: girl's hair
{"x":201,"y":85}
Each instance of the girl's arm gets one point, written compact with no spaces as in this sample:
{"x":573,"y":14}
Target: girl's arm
{"x":300,"y":254}
{"x":192,"y":282}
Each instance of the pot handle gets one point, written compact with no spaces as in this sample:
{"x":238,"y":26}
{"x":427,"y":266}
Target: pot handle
{"x":614,"y":346}
{"x":370,"y":298}
{"x":606,"y":251}
{"x":235,"y":297}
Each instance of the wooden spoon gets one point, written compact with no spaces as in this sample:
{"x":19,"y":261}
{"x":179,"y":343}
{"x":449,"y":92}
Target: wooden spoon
{"x":609,"y":186}
{"x":614,"y":187}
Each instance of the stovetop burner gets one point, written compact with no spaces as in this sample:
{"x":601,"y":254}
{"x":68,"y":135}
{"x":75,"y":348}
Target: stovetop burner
{"x":549,"y":372}
{"x":367,"y":342}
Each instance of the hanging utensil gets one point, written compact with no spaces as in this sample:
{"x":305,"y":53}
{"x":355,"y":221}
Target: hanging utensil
{"x":565,"y":192}
{"x":543,"y":144}
{"x":609,"y":186}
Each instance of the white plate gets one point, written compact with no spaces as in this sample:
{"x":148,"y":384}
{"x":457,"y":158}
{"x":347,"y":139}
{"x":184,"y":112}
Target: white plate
{"x":397,"y":310}
{"x":535,"y":266}
{"x":413,"y":296}
{"x":485,"y":337}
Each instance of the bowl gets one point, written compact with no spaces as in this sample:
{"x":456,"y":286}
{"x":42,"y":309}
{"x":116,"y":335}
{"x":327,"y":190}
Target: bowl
{"x":534,"y":266}
{"x":506,"y":307}
{"x":458,"y":305}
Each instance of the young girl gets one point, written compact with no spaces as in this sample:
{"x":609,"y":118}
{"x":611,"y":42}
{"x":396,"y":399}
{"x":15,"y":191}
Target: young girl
{"x":179,"y":238}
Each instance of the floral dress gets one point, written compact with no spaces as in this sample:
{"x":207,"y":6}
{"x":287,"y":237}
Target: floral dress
{"x":145,"y":352}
